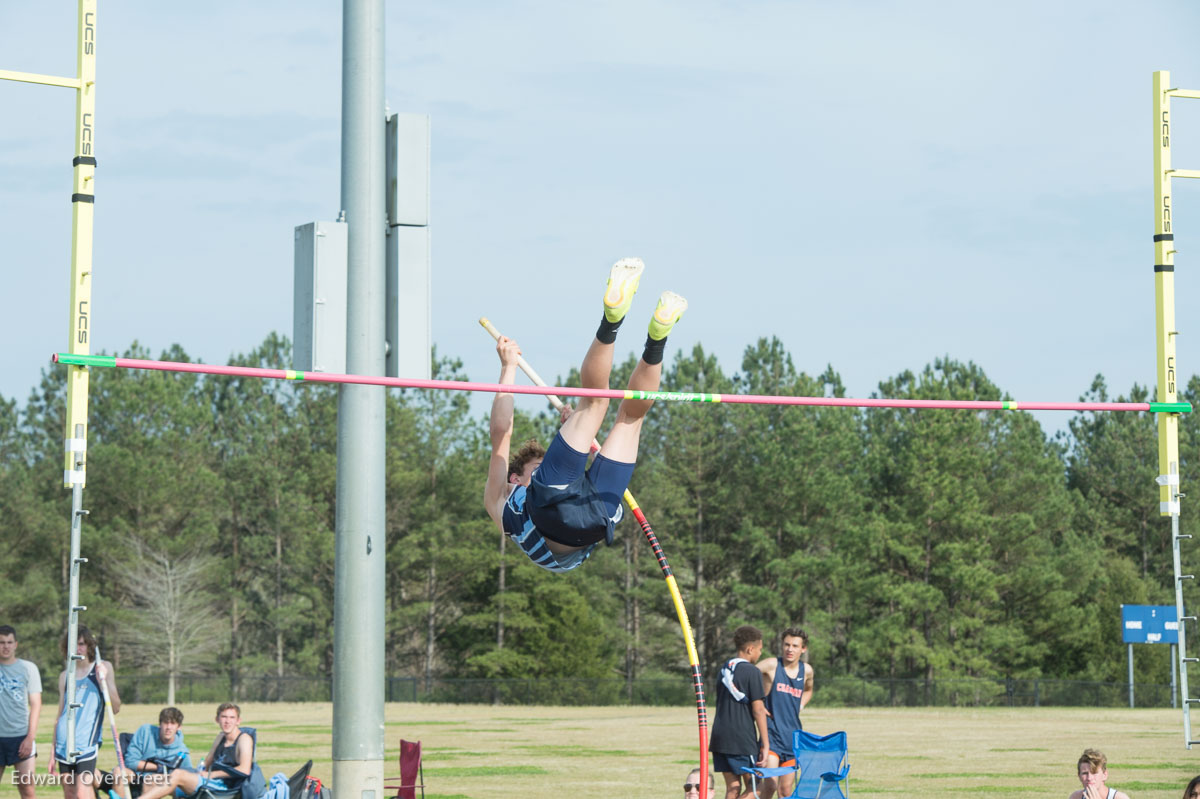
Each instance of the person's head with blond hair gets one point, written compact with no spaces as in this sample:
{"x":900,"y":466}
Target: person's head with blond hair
{"x":1092,"y":770}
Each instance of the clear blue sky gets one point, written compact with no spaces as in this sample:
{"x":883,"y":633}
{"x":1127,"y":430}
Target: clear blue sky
{"x":876,"y":183}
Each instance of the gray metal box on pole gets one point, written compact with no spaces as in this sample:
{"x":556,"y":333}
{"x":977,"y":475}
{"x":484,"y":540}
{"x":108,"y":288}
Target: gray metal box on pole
{"x":409,"y":285}
{"x":319,"y":296}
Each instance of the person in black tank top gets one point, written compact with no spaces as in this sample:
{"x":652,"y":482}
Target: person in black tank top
{"x":788,"y":685}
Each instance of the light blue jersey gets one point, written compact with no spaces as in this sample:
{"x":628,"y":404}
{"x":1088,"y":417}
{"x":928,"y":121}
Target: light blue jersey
{"x":89,"y":720}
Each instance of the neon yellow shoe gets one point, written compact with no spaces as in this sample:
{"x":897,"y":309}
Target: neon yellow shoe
{"x":670,"y":307}
{"x":622,"y":285}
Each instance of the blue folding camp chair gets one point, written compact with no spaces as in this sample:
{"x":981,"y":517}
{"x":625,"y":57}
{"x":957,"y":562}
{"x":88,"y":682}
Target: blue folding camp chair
{"x":821,"y":763}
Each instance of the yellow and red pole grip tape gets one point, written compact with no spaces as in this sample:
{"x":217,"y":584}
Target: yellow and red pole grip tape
{"x":672,"y":587}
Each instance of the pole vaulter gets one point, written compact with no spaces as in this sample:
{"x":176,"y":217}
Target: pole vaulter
{"x":680,"y":611}
{"x":105,"y":361}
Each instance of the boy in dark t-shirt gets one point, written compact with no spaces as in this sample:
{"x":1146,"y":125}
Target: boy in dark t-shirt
{"x":739,"y":735}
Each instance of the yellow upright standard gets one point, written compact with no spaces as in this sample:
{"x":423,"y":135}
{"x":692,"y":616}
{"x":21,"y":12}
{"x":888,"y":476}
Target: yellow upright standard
{"x":83,"y":198}
{"x":1168,"y":370}
{"x":1164,"y":299}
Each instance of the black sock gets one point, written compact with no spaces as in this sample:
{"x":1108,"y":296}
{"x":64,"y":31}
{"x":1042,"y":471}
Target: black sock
{"x":607,"y":332}
{"x":653,"y":352}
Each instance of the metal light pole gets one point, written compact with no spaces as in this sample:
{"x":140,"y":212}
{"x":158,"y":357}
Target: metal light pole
{"x":361,"y":546}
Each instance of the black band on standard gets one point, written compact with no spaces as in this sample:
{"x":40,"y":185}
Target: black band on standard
{"x":1164,"y":267}
{"x":83,"y":160}
{"x":1165,"y":237}
{"x":83,"y":198}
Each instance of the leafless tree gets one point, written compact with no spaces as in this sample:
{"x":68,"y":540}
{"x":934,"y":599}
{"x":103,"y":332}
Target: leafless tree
{"x":174,"y":614}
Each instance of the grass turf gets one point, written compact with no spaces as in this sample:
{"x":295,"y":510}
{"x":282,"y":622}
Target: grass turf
{"x":508,"y":752}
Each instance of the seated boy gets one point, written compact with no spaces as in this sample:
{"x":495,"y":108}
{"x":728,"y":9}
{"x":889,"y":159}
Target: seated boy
{"x":152,"y":754}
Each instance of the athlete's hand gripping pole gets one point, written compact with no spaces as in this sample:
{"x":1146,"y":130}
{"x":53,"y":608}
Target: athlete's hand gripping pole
{"x":680,"y":611}
{"x":122,"y":785}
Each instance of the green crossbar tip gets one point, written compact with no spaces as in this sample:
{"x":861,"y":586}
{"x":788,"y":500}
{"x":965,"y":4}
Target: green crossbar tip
{"x":1170,"y":407}
{"x":85,"y":360}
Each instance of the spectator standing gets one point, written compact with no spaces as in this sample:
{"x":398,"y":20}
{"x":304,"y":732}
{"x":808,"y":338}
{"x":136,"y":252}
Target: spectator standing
{"x":20,"y":710}
{"x":788,"y":687}
{"x":739,"y":735}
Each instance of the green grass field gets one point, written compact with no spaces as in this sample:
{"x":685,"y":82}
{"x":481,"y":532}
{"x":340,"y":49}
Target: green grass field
{"x":608,"y":752}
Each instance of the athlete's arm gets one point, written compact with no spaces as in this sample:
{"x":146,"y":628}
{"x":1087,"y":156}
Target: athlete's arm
{"x":207,"y":763}
{"x":501,"y":426}
{"x":104,"y":671}
{"x":245,"y":754}
{"x":808,"y":686}
{"x":760,"y":721}
{"x":35,"y":713}
{"x":767,"y":668}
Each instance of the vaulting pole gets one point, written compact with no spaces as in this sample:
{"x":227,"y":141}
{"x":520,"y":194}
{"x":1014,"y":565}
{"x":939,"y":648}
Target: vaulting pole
{"x":652,"y":539}
{"x":666,"y":396}
{"x":123,"y":790}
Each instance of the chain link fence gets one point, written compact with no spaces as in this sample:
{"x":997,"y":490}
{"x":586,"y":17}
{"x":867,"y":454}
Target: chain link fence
{"x":834,"y":692}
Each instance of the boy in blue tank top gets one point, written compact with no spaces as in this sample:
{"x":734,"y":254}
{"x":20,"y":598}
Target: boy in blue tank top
{"x":79,"y":772}
{"x":788,"y":685}
{"x":554,"y":506}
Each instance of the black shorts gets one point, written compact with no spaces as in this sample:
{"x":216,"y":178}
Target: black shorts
{"x":10,"y":751}
{"x":732,"y":764}
{"x":78,"y":767}
{"x":573,"y":504}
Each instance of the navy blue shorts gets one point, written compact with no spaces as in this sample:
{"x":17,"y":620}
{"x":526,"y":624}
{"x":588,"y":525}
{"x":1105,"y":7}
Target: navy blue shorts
{"x":732,"y":764}
{"x":573,"y":504}
{"x":10,"y":751}
{"x":781,"y":743}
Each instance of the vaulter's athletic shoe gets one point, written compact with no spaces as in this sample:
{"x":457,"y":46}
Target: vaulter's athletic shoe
{"x":622,"y":285}
{"x":670,"y":307}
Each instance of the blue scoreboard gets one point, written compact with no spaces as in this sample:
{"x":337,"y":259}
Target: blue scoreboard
{"x":1149,"y":624}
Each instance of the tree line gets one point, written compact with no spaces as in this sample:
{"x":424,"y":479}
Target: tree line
{"x":909,"y":544}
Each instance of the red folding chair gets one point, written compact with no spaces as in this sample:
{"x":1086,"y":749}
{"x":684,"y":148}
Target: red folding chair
{"x":410,"y":771}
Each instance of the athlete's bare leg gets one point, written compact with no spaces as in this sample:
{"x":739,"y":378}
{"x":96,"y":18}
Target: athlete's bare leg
{"x":581,"y":427}
{"x":622,"y":442}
